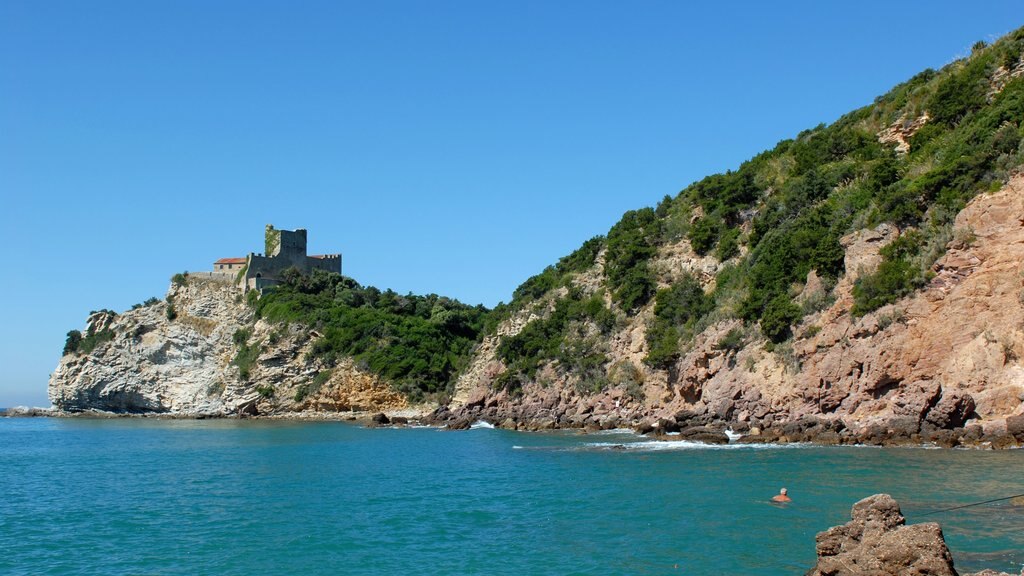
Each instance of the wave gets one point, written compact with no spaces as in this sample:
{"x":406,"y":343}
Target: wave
{"x":481,"y":424}
{"x":659,"y":446}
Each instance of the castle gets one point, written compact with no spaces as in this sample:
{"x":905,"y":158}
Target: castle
{"x":284,"y":249}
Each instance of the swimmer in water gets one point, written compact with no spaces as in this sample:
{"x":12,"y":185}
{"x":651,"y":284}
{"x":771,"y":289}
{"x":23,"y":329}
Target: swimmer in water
{"x":781,"y":496}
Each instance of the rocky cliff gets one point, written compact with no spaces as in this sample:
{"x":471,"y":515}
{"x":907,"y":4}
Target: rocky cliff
{"x":861,"y":282}
{"x":947,"y":357}
{"x":201,"y":353}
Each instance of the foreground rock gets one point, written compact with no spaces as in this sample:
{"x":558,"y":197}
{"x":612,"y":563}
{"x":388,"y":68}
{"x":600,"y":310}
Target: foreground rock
{"x":877,"y":541}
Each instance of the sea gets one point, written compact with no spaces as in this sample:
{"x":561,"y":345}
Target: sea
{"x":240,"y":497}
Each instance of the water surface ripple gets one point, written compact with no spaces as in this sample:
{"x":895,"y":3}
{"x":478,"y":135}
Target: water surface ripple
{"x":90,"y":497}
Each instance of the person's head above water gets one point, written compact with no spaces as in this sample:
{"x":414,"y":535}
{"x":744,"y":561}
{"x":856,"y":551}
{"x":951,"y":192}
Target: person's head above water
{"x":783,"y":491}
{"x":781,"y":496}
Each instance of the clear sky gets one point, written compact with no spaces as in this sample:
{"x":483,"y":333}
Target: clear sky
{"x":443,"y":147}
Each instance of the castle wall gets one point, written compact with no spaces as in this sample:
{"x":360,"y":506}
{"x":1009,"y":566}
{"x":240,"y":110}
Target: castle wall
{"x":285,"y":249}
{"x":329,"y":263}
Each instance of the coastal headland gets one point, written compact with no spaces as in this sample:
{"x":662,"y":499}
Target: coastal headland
{"x":861,"y":283}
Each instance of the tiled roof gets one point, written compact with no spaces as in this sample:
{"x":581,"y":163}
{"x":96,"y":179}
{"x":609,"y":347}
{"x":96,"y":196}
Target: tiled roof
{"x":230,"y":261}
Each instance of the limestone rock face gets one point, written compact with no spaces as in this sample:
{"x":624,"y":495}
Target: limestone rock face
{"x":184,"y":366}
{"x":154,"y":364}
{"x":876,"y":541}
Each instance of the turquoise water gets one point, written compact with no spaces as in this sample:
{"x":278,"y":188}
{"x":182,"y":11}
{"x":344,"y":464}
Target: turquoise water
{"x":240,"y":497}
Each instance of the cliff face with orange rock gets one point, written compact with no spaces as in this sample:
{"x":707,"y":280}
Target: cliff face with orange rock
{"x":943,"y":364}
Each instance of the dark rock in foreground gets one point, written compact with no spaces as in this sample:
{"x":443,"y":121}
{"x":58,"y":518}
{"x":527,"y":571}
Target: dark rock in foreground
{"x":876,"y":541}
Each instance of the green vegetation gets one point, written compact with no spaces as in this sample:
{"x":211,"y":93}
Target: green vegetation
{"x":786,"y":210}
{"x":779,"y":216}
{"x":677,"y":310}
{"x":732,"y":342}
{"x":418,"y":343}
{"x":148,"y":302}
{"x":180,"y":279}
{"x":271,"y":240}
{"x":631,"y":243}
{"x":247,"y":353}
{"x":78,"y":344}
{"x":568,"y":335}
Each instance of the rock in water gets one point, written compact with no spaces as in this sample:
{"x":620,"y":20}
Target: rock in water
{"x":877,"y":542}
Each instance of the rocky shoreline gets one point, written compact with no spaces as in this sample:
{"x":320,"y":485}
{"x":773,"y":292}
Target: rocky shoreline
{"x":684,"y":426}
{"x":690,"y":426}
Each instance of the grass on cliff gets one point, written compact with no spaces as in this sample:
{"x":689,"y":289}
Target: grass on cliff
{"x":787,"y":208}
{"x":418,"y":343}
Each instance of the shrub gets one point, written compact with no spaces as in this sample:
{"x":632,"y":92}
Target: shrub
{"x":415,"y":342}
{"x":778,"y":316}
{"x":553,"y":338}
{"x":180,"y":279}
{"x":728,"y":244}
{"x":73,"y":342}
{"x":704,"y":234}
{"x":247,"y":353}
{"x":631,"y":243}
{"x":893,"y":280}
{"x":677,"y":309}
{"x":731,"y":342}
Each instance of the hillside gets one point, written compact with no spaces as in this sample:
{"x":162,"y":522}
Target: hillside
{"x":862,"y":281}
{"x":319,"y":343}
{"x":868,"y":270}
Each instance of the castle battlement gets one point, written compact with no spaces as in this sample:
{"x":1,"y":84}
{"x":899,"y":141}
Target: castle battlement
{"x":283,"y":249}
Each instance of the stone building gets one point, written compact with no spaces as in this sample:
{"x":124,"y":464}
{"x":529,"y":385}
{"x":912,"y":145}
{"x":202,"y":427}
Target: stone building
{"x":229,"y":265}
{"x":284,"y":249}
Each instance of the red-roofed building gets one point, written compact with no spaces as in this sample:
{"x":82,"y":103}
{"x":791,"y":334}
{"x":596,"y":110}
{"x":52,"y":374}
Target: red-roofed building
{"x":229,"y":265}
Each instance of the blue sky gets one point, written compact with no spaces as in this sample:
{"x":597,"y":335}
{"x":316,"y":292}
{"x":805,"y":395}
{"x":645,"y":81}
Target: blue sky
{"x":443,"y":147}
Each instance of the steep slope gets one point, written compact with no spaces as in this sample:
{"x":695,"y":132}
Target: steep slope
{"x":202,"y":352}
{"x":852,"y":274}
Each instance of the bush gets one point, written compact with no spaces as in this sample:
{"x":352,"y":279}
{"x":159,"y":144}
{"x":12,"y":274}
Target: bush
{"x":704,"y":234}
{"x":247,"y":353}
{"x":180,"y":279}
{"x":73,"y":342}
{"x":732,"y":342}
{"x":631,"y":243}
{"x":554,"y":338}
{"x":677,"y":310}
{"x":893,"y":280}
{"x":779,"y":315}
{"x":728,"y":244}
{"x":417,"y":343}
